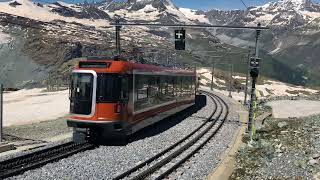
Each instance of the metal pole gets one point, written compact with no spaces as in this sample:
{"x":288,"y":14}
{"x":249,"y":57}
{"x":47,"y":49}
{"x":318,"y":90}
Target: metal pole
{"x":230,"y":81}
{"x":118,"y":48}
{"x":252,"y":101}
{"x":1,"y":112}
{"x":212,"y":75}
{"x":257,"y":41}
{"x":247,"y":80}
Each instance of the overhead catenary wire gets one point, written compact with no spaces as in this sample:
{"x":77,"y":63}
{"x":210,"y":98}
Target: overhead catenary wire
{"x":244,"y":4}
{"x":191,"y":26}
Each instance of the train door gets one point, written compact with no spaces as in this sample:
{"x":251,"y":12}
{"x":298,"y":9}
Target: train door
{"x":124,"y":98}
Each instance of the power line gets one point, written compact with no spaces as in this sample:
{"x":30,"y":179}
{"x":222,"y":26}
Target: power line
{"x":244,"y":4}
{"x":190,"y":26}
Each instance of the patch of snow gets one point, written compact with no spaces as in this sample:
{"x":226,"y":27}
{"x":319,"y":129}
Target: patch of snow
{"x":303,"y":43}
{"x":235,"y":95}
{"x":277,"y":49}
{"x":239,"y":77}
{"x":264,"y":19}
{"x":4,"y":38}
{"x":148,"y":13}
{"x":282,"y":89}
{"x":34,"y":105}
{"x":191,"y":14}
{"x":234,"y":41}
{"x":294,"y":108}
{"x":268,"y":89}
{"x":30,"y":10}
{"x":176,"y":12}
{"x":71,"y":6}
{"x":148,"y":8}
{"x":207,"y":74}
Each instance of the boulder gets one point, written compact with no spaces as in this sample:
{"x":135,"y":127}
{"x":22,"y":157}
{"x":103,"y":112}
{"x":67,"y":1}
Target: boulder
{"x":282,"y":124}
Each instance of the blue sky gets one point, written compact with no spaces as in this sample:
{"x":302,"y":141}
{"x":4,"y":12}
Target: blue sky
{"x":220,"y":4}
{"x":217,"y":4}
{"x":199,"y":4}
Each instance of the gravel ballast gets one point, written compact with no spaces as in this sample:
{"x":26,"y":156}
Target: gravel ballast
{"x":209,"y":157}
{"x":106,"y":162}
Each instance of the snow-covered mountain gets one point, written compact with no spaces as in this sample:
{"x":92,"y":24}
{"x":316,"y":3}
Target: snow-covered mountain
{"x":278,"y":13}
{"x":83,"y":29}
{"x":150,"y":10}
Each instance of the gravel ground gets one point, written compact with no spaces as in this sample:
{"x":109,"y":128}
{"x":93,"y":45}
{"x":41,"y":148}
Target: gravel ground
{"x":286,"y":149}
{"x":35,"y":136}
{"x":107,"y":161}
{"x":37,"y":131}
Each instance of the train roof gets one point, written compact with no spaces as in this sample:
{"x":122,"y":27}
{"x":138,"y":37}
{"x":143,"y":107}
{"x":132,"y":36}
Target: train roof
{"x":122,"y":67}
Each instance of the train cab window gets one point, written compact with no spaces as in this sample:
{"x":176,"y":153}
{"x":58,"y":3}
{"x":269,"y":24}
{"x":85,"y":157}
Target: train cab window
{"x":81,"y":89}
{"x":109,"y":87}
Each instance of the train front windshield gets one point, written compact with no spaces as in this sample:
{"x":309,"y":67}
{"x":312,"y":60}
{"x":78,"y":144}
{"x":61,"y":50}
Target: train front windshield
{"x":81,"y":92}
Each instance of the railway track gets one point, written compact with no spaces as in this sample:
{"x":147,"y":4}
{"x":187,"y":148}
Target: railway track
{"x":18,"y":165}
{"x":167,"y":161}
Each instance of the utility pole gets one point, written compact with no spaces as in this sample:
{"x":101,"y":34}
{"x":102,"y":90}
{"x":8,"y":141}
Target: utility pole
{"x":230,"y":81}
{"x":247,"y":78}
{"x":118,"y":47}
{"x":254,"y":72}
{"x":212,"y":74}
{"x":1,"y":112}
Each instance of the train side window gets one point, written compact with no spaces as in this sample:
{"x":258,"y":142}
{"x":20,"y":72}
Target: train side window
{"x":178,"y":86}
{"x":170,"y":86}
{"x":142,"y":87}
{"x":154,"y":86}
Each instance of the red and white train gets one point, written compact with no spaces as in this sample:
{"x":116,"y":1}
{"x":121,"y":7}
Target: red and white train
{"x":111,"y":98}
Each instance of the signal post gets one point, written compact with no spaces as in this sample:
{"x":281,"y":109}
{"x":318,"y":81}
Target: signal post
{"x":254,"y":73}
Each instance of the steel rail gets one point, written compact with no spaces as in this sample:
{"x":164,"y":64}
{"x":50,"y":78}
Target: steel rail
{"x":144,"y":174}
{"x":20,"y":164}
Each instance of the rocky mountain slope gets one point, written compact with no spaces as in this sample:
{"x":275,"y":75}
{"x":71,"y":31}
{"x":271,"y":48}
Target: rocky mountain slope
{"x":50,"y":35}
{"x":293,"y":38}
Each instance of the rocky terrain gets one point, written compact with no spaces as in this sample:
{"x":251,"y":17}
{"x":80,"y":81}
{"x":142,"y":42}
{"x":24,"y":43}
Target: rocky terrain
{"x":285,"y":149}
